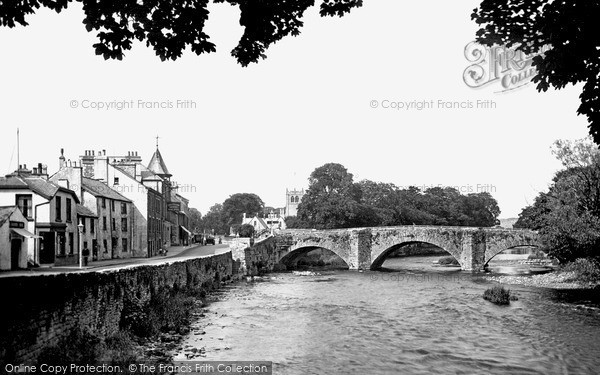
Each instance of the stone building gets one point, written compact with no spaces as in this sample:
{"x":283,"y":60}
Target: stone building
{"x":292,"y":200}
{"x":51,"y":213}
{"x":14,"y":238}
{"x":89,"y":238}
{"x":109,"y":224}
{"x":150,"y":190}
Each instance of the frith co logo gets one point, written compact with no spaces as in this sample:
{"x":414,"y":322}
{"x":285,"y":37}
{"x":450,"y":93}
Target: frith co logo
{"x":507,"y":67}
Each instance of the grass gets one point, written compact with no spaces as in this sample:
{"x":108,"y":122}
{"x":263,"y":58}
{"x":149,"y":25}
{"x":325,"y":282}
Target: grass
{"x":499,"y":295}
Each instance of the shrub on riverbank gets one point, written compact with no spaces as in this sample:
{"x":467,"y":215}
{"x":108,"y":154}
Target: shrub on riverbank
{"x":86,"y":347}
{"x":499,"y":295}
{"x":585,"y":270}
{"x":448,"y":261}
{"x":167,"y":310}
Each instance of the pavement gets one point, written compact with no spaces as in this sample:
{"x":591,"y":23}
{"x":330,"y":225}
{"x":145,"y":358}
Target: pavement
{"x":174,"y":254}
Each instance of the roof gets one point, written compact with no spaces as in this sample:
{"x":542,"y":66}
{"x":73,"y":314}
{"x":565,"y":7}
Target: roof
{"x":157,"y":164}
{"x":100,"y":189}
{"x":38,"y":185}
{"x":262,"y":222}
{"x":84,"y":211}
{"x":5,"y":213}
{"x":12,"y":182}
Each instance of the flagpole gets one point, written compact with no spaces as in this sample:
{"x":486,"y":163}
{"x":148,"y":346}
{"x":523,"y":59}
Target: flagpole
{"x":18,"y":154}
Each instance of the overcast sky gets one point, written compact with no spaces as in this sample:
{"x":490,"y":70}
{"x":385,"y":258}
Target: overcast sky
{"x":265,"y":128}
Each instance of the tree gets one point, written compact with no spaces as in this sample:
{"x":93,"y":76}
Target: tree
{"x":170,"y":27}
{"x":213,"y":220}
{"x":570,"y":28}
{"x":568,"y":215}
{"x":236,"y":205}
{"x":195,"y":219}
{"x":332,"y":199}
{"x":246,"y":230}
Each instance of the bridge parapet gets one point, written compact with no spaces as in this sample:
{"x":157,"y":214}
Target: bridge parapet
{"x":367,"y":248}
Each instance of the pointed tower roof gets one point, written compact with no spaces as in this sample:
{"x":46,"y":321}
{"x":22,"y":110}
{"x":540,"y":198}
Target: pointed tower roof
{"x":157,"y":165}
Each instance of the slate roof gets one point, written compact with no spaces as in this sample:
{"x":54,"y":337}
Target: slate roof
{"x":5,"y":213}
{"x":84,"y":211}
{"x":40,"y":186}
{"x":100,"y":189}
{"x":157,"y":164}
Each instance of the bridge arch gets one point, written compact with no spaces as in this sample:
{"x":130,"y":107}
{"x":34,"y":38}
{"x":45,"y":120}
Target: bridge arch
{"x":384,"y":242}
{"x":295,"y":254}
{"x":378,"y":262}
{"x":497,"y":244}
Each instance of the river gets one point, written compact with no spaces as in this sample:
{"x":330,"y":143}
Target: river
{"x":415,"y":319}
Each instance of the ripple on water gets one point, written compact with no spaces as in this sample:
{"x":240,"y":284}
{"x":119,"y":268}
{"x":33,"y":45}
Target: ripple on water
{"x":348,"y":322}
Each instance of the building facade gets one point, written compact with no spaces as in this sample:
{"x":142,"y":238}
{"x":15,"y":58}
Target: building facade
{"x":292,"y":200}
{"x":14,"y":239}
{"x":51,"y":213}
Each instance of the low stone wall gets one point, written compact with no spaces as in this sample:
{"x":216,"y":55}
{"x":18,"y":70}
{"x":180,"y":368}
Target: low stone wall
{"x":39,"y":310}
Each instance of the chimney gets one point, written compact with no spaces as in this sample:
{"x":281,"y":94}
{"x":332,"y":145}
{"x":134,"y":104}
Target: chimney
{"x":61,"y":159}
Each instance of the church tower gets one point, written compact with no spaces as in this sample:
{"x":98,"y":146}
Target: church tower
{"x":292,"y":200}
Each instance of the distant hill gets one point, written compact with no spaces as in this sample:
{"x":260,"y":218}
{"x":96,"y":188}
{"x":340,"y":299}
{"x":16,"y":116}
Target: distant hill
{"x":508,"y":223}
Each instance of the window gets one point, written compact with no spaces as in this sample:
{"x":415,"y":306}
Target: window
{"x":103,"y":202}
{"x":124,"y":225}
{"x":68,"y":209}
{"x":116,"y":181}
{"x":105,"y":245}
{"x":124,"y":244}
{"x":112,"y":205}
{"x":92,"y":226}
{"x":25,"y":205}
{"x":124,"y":208}
{"x":71,"y":244}
{"x":104,"y":222}
{"x":115,"y":243}
{"x":58,"y":208}
{"x":114,"y":224}
{"x":83,"y":222}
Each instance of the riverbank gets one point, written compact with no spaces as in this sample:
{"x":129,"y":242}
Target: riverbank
{"x":553,"y":280}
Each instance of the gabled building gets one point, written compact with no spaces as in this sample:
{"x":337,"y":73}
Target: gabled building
{"x":107,"y":216}
{"x":145,"y":190}
{"x":51,"y":213}
{"x":14,"y":239}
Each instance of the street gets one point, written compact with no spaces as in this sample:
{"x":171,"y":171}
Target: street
{"x":175,"y":253}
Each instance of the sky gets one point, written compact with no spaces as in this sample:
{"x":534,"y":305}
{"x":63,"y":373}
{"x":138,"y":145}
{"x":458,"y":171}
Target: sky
{"x":323,"y":96}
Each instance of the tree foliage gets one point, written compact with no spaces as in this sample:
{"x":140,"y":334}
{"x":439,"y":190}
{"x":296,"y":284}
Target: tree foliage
{"x":246,"y":230}
{"x":333,"y":200}
{"x":169,"y":27}
{"x":570,"y":28}
{"x":195,"y":219}
{"x":239,"y":204}
{"x":214,"y":221}
{"x":568,"y":215}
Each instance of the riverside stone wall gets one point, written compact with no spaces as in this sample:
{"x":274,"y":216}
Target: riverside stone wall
{"x":39,"y":310}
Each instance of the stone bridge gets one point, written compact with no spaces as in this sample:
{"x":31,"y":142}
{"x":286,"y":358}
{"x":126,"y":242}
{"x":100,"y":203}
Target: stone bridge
{"x":367,"y":248}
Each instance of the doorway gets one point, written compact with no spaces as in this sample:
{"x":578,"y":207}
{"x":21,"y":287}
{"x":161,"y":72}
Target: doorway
{"x":15,"y":253}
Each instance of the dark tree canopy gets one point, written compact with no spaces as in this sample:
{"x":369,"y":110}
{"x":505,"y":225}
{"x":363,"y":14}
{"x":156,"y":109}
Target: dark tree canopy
{"x":239,"y":204}
{"x":333,"y":200}
{"x":568,"y":215}
{"x":172,"y":26}
{"x":571,"y":30}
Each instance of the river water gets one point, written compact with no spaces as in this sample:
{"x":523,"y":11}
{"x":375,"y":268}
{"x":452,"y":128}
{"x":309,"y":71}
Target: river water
{"x":415,"y":319}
